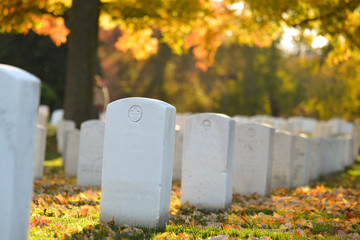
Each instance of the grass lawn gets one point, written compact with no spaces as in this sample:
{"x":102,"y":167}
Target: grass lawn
{"x":327,"y":209}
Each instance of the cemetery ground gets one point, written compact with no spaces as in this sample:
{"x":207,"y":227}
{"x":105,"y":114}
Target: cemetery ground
{"x":327,"y":209}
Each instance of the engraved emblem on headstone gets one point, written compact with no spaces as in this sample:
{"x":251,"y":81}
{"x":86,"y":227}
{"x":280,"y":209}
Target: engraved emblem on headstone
{"x":251,"y":132}
{"x":135,"y":113}
{"x":206,"y":124}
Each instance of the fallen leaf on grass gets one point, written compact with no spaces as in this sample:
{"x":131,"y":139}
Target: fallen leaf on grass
{"x":60,"y":199}
{"x":83,"y":210}
{"x":227,"y":227}
{"x":39,"y":221}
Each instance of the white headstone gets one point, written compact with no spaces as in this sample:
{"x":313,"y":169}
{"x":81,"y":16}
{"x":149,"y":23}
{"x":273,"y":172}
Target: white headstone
{"x":296,"y":123}
{"x":207,"y":171}
{"x":335,"y":155}
{"x":282,"y":159}
{"x":325,"y":158}
{"x":43,"y":115}
{"x":62,"y":128}
{"x":286,"y":126}
{"x":348,"y":154}
{"x":322,"y":130}
{"x":91,"y":153}
{"x":71,"y":152}
{"x":356,"y":132}
{"x":40,"y":147}
{"x":242,"y":119}
{"x":137,"y":165}
{"x":178,"y":153}
{"x":253,"y":159}
{"x":278,"y":122}
{"x":180,"y":120}
{"x":308,"y":125}
{"x":56,"y":116}
{"x":300,"y":162}
{"x":347,"y":128}
{"x":341,"y":165}
{"x":19,"y":101}
{"x":355,"y":147}
{"x":314,"y":159}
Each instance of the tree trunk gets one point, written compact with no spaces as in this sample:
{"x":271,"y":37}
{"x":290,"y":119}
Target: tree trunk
{"x":81,"y":60}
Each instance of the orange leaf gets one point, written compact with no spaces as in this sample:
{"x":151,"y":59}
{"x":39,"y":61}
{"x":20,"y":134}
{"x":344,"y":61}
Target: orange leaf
{"x":39,"y":222}
{"x":84,"y":210}
{"x":227,"y":227}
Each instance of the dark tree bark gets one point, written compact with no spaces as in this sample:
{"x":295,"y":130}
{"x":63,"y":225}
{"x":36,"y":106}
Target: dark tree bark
{"x":81,"y":60}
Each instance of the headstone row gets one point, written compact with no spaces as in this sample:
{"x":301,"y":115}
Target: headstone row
{"x":133,"y":159}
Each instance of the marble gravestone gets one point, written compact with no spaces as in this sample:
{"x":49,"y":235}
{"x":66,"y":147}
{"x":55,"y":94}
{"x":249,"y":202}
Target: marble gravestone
{"x":286,"y":126}
{"x":314,"y":159}
{"x":207,"y":170}
{"x":355,"y":146}
{"x":335,"y":154}
{"x":253,"y":159}
{"x":19,"y":101}
{"x":282,"y":160}
{"x":56,"y":116}
{"x":341,"y":165}
{"x":324,"y":157}
{"x":91,"y":153}
{"x":322,"y":130}
{"x":137,"y":164}
{"x":178,"y":153}
{"x":63,"y":127}
{"x":71,"y":152}
{"x":180,"y":120}
{"x":300,"y":161}
{"x":348,"y":154}
{"x":40,"y":147}
{"x":43,"y":115}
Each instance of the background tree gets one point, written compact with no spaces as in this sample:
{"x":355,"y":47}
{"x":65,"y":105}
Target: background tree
{"x":198,"y":29}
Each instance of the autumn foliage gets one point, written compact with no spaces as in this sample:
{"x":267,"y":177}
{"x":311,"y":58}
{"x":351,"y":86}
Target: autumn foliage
{"x":329,"y":209}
